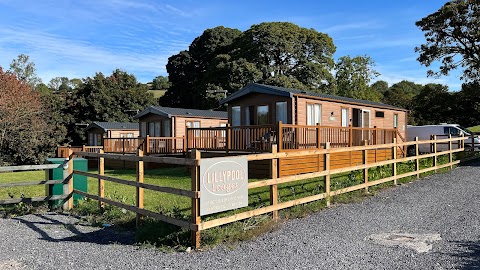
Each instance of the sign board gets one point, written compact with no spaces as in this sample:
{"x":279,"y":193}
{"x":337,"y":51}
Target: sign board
{"x":223,"y":184}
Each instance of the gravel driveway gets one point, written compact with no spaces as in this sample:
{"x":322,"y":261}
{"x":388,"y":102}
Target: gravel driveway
{"x":429,"y":224}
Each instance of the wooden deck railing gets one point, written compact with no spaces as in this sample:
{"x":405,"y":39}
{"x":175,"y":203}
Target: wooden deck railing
{"x":239,"y":138}
{"x":164,"y":145}
{"x":289,"y":137}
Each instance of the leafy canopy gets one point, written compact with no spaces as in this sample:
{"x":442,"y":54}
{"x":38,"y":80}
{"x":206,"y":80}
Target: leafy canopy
{"x":275,"y":53}
{"x":453,"y":38}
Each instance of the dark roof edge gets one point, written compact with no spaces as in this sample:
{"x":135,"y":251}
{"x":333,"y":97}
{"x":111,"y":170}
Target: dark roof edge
{"x":152,"y":109}
{"x":248,"y":89}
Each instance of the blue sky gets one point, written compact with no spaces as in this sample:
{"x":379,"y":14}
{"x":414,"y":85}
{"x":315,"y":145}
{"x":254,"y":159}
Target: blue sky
{"x":78,"y":38}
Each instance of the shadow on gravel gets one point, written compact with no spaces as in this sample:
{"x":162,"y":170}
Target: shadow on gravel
{"x":60,"y":228}
{"x":468,"y":255}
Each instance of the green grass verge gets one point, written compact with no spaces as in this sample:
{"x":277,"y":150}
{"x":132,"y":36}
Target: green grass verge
{"x":167,"y":236}
{"x":157,"y":93}
{"x":475,"y":128}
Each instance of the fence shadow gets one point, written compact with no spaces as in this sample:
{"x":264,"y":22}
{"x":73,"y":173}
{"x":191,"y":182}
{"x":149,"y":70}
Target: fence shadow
{"x":54,"y":227}
{"x":469,"y":254}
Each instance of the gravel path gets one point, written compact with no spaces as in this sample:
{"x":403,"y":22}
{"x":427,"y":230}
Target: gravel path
{"x":435,"y":224}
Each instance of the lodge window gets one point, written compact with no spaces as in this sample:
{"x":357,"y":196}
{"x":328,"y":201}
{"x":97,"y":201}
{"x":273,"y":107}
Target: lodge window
{"x":344,"y":117}
{"x":262,"y":115}
{"x":395,"y":120}
{"x":314,"y":114}
{"x":236,"y":116}
{"x":167,"y":131}
{"x":281,"y":112}
{"x":193,"y":124}
{"x":126,"y":135}
{"x":379,"y":114}
{"x":143,"y":129}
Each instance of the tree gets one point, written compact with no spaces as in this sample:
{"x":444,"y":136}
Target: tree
{"x":434,"y":105}
{"x":25,"y":70}
{"x":353,"y":76}
{"x":380,"y":87}
{"x":402,"y":94}
{"x":25,"y":136}
{"x":160,"y":83}
{"x":277,"y":53}
{"x":288,"y":54}
{"x":452,"y":37}
{"x":468,"y":104}
{"x":115,"y":98}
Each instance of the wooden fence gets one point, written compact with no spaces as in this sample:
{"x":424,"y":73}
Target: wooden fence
{"x":67,"y":183}
{"x":325,"y":169}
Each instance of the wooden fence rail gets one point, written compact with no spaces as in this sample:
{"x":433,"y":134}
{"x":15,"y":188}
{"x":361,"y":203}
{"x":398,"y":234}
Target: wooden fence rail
{"x":67,"y":182}
{"x":325,"y":169}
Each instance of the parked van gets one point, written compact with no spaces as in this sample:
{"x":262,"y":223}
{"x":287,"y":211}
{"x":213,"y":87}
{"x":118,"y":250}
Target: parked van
{"x":424,"y":133}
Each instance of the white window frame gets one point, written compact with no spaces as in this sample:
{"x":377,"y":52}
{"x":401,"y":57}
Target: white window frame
{"x":314,"y":114}
{"x":395,"y":120}
{"x":344,"y":115}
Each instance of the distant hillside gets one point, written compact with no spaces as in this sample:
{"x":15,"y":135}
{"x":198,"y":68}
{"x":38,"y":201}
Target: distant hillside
{"x":157,"y":93}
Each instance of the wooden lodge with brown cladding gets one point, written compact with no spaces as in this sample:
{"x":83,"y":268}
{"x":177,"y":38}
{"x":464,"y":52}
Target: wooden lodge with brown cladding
{"x":165,"y":128}
{"x":98,"y":131}
{"x":261,"y":116}
{"x":258,"y":104}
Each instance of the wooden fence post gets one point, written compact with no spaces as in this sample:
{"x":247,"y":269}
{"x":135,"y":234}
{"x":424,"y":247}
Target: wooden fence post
{"x":435,"y":152}
{"x":417,"y":161}
{"x":274,"y":188}
{"x":327,"y":168}
{"x":68,"y":182}
{"x":350,"y":140}
{"x":318,"y":136}
{"x":147,"y":145}
{"x":229,"y":138}
{"x":83,"y":148}
{"x":196,"y":219}
{"x":365,"y":161}
{"x":394,"y":164}
{"x":101,"y":182}
{"x":450,"y":154}
{"x":140,"y":174}
{"x":280,"y":137}
{"x":184,"y":145}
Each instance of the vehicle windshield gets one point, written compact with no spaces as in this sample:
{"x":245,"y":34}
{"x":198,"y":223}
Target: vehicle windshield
{"x":466,"y":130}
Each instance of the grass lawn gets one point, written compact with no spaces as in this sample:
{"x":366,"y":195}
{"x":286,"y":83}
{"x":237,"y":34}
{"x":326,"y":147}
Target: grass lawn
{"x":475,"y":128}
{"x":157,"y":93}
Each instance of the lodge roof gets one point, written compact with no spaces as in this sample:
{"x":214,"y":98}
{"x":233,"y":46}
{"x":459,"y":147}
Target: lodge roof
{"x":289,"y":92}
{"x":169,"y":112}
{"x":113,"y":126}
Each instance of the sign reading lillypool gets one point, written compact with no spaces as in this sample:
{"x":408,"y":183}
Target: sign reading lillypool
{"x":223,"y":184}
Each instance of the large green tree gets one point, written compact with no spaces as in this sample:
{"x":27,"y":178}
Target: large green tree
{"x":115,"y":98}
{"x":452,"y":37}
{"x":353,"y":76}
{"x":434,"y":105}
{"x":160,"y":83}
{"x":25,"y":70}
{"x":277,"y":53}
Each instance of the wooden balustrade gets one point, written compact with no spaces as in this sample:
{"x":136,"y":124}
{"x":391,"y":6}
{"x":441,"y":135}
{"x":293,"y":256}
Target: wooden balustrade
{"x":289,"y":137}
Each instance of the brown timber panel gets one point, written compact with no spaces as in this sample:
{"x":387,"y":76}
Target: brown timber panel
{"x":309,"y":164}
{"x":300,"y":165}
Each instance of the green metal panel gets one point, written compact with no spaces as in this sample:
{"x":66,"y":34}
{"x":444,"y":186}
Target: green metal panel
{"x":79,"y":181}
